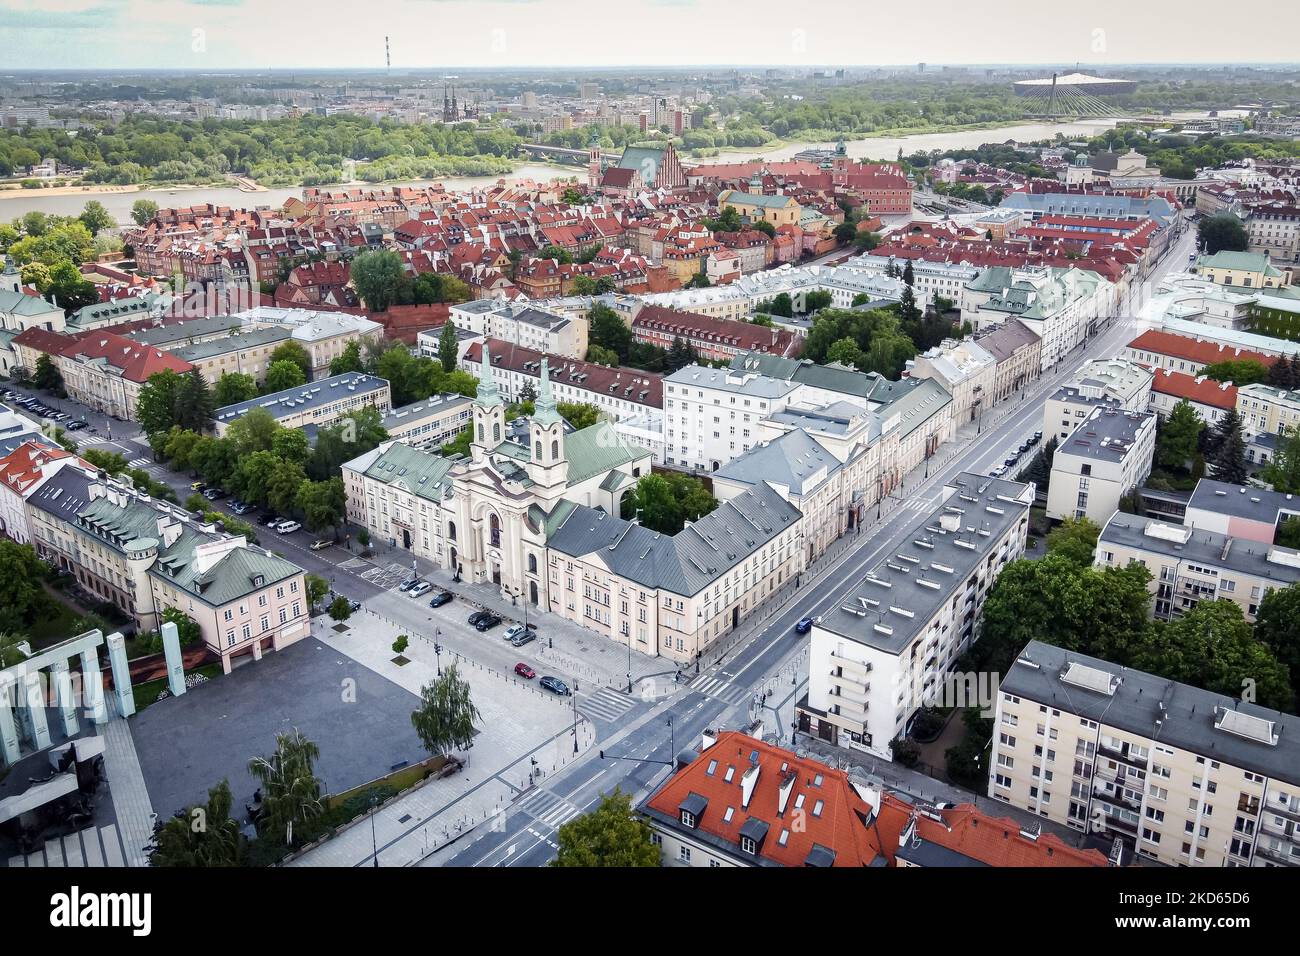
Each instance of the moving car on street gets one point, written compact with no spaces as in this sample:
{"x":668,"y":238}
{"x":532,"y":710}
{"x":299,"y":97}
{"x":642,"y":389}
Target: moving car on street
{"x":804,"y":625}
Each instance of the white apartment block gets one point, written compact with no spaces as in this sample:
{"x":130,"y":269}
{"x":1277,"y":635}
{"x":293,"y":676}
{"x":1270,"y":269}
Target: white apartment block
{"x":886,"y":647}
{"x":1061,"y":306}
{"x":1113,"y":383}
{"x":522,"y":324}
{"x":1192,"y":564}
{"x":711,"y":415}
{"x":966,"y":370}
{"x":1182,"y":776}
{"x":1107,"y":456}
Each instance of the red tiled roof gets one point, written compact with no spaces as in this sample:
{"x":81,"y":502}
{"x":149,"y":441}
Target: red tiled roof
{"x":624,"y":384}
{"x":706,"y":330}
{"x":22,"y":466}
{"x":1193,"y":350}
{"x":1195,"y":388}
{"x":859,"y":825}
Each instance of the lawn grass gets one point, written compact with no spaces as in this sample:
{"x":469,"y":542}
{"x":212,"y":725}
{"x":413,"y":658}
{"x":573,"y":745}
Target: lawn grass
{"x":147,"y":693}
{"x":56,"y":625}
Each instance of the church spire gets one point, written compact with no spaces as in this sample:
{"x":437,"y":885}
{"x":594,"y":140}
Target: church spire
{"x":487,"y":393}
{"x":544,"y":410}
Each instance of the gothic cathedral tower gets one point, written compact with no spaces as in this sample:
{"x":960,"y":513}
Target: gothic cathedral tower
{"x":593,"y":162}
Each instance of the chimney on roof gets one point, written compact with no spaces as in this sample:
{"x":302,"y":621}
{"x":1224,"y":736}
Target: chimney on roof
{"x":709,"y":738}
{"x":783,"y":794}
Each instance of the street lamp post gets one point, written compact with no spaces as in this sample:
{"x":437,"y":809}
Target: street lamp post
{"x":575,"y":716}
{"x":374,"y":845}
{"x":437,"y":648}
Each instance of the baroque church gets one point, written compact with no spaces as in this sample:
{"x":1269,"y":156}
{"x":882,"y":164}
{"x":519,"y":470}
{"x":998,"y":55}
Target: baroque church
{"x":485,"y":517}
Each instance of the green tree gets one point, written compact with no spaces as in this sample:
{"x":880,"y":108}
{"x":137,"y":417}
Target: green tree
{"x":322,"y":503}
{"x":253,"y":431}
{"x":612,"y":835}
{"x":317,"y":589}
{"x":201,"y":836}
{"x":446,"y":716}
{"x":846,"y":352}
{"x":578,"y":414}
{"x":379,"y":278}
{"x":1277,"y":624}
{"x":447,"y":347}
{"x":22,"y":596}
{"x":1076,"y":539}
{"x":283,"y":375}
{"x":155,"y":408}
{"x":602,"y":356}
{"x":1179,"y":437}
{"x":291,"y":791}
{"x":252,"y":477}
{"x":1240,"y":372}
{"x":1288,"y":533}
{"x":283,"y":485}
{"x":194,"y":403}
{"x":142,"y":210}
{"x":10,"y":654}
{"x":341,"y":608}
{"x":289,"y":444}
{"x":1227,"y":454}
{"x":96,"y":218}
{"x":608,"y":331}
{"x":295,"y":353}
{"x":1283,"y":472}
{"x":349,"y":360}
{"x":47,"y":377}
{"x":234,"y":387}
{"x":1212,"y":646}
{"x":1221,"y":233}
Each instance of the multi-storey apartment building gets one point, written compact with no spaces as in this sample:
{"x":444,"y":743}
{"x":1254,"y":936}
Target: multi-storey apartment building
{"x":435,"y":420}
{"x":712,"y":338}
{"x":315,"y":403}
{"x":884,"y":650}
{"x":1273,"y":230}
{"x":711,"y":415}
{"x":1182,"y":776}
{"x":145,"y":556}
{"x":1106,"y":456}
{"x":1018,"y":350}
{"x":527,"y":325}
{"x":1267,"y":414}
{"x":1189,"y":564}
{"x":966,"y":370}
{"x":1061,"y":306}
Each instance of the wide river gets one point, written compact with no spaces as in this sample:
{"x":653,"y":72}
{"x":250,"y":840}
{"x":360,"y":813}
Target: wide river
{"x":14,"y":203}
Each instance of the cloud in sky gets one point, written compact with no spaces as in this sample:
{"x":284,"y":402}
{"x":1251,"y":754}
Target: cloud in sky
{"x":495,"y":34}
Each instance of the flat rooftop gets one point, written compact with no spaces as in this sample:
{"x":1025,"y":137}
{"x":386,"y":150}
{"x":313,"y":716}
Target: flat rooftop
{"x":1199,"y":546}
{"x":928,"y":563}
{"x":1180,"y":715}
{"x":1107,"y":434}
{"x":305,"y":397}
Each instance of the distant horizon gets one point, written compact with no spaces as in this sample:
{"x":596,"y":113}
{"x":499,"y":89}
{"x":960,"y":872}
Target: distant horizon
{"x":259,"y":35}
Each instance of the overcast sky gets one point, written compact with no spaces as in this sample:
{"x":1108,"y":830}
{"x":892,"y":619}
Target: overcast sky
{"x":256,"y":34}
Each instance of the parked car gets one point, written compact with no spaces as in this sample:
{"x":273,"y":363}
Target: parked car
{"x":473,"y":618}
{"x":408,"y":584}
{"x":76,"y":426}
{"x":287,"y":527}
{"x":1011,"y":460}
{"x":525,"y":638}
{"x":241,"y":507}
{"x":804,"y":626}
{"x":354,"y":606}
{"x":441,"y":598}
{"x":514,"y":630}
{"x":214,"y":494}
{"x":999,"y":471}
{"x":269,"y":519}
{"x":198,"y":486}
{"x":487,"y":622}
{"x":420,"y":590}
{"x":1035,"y":438}
{"x":524,"y":671}
{"x":555,"y":686}
{"x":321,"y":545}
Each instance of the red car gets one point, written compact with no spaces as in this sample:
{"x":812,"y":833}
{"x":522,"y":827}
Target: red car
{"x":523,"y":670}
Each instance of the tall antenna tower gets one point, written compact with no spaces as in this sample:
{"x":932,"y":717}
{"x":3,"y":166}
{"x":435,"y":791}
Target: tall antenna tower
{"x":388,"y":59}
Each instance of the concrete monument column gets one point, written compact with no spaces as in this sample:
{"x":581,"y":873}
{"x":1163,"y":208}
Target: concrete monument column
{"x":9,"y":751}
{"x":121,"y":675}
{"x":92,"y":687}
{"x":34,"y":701}
{"x":175,"y":666}
{"x":61,"y":678}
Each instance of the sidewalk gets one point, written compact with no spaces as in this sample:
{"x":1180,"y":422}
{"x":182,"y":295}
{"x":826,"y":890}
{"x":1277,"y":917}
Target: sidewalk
{"x":518,"y":723}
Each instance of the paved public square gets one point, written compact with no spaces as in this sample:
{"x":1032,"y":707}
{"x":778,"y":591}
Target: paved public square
{"x":360,"y":721}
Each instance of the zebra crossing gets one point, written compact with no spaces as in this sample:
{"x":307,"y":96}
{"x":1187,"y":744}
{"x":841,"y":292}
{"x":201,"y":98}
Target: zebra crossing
{"x":719,"y":689}
{"x":547,"y":808}
{"x":91,"y":440}
{"x":80,"y":849}
{"x":140,"y":462}
{"x":606,"y":704}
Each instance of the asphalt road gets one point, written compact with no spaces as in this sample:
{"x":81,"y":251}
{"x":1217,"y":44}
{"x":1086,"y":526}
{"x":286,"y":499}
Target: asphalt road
{"x":650,"y":740}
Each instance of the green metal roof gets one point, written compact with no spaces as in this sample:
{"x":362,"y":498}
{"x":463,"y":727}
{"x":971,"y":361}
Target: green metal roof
{"x":1240,"y":262}
{"x":595,"y":449}
{"x":422,"y":474}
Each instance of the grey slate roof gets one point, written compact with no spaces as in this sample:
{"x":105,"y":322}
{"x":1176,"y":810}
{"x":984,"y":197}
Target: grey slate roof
{"x":310,"y":395}
{"x":1107,"y":434}
{"x":1257,"y":504}
{"x":685,"y":563}
{"x":730,"y":380}
{"x":912,"y":562}
{"x":232,"y":343}
{"x":1188,"y":720}
{"x":161,"y":336}
{"x":1202,"y":547}
{"x":792,"y":460}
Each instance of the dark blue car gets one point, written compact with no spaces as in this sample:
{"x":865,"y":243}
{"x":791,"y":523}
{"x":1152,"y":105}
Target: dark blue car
{"x":804,"y":626}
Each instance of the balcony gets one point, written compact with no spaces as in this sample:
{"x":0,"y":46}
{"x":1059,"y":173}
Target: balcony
{"x":1281,"y":856}
{"x":1123,"y":755}
{"x":1116,"y":796}
{"x":1285,"y":831}
{"x":850,"y":693}
{"x":1291,"y":811}
{"x":849,"y":663}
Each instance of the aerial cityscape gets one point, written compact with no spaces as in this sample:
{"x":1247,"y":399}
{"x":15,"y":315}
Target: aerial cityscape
{"x":500,"y":456}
